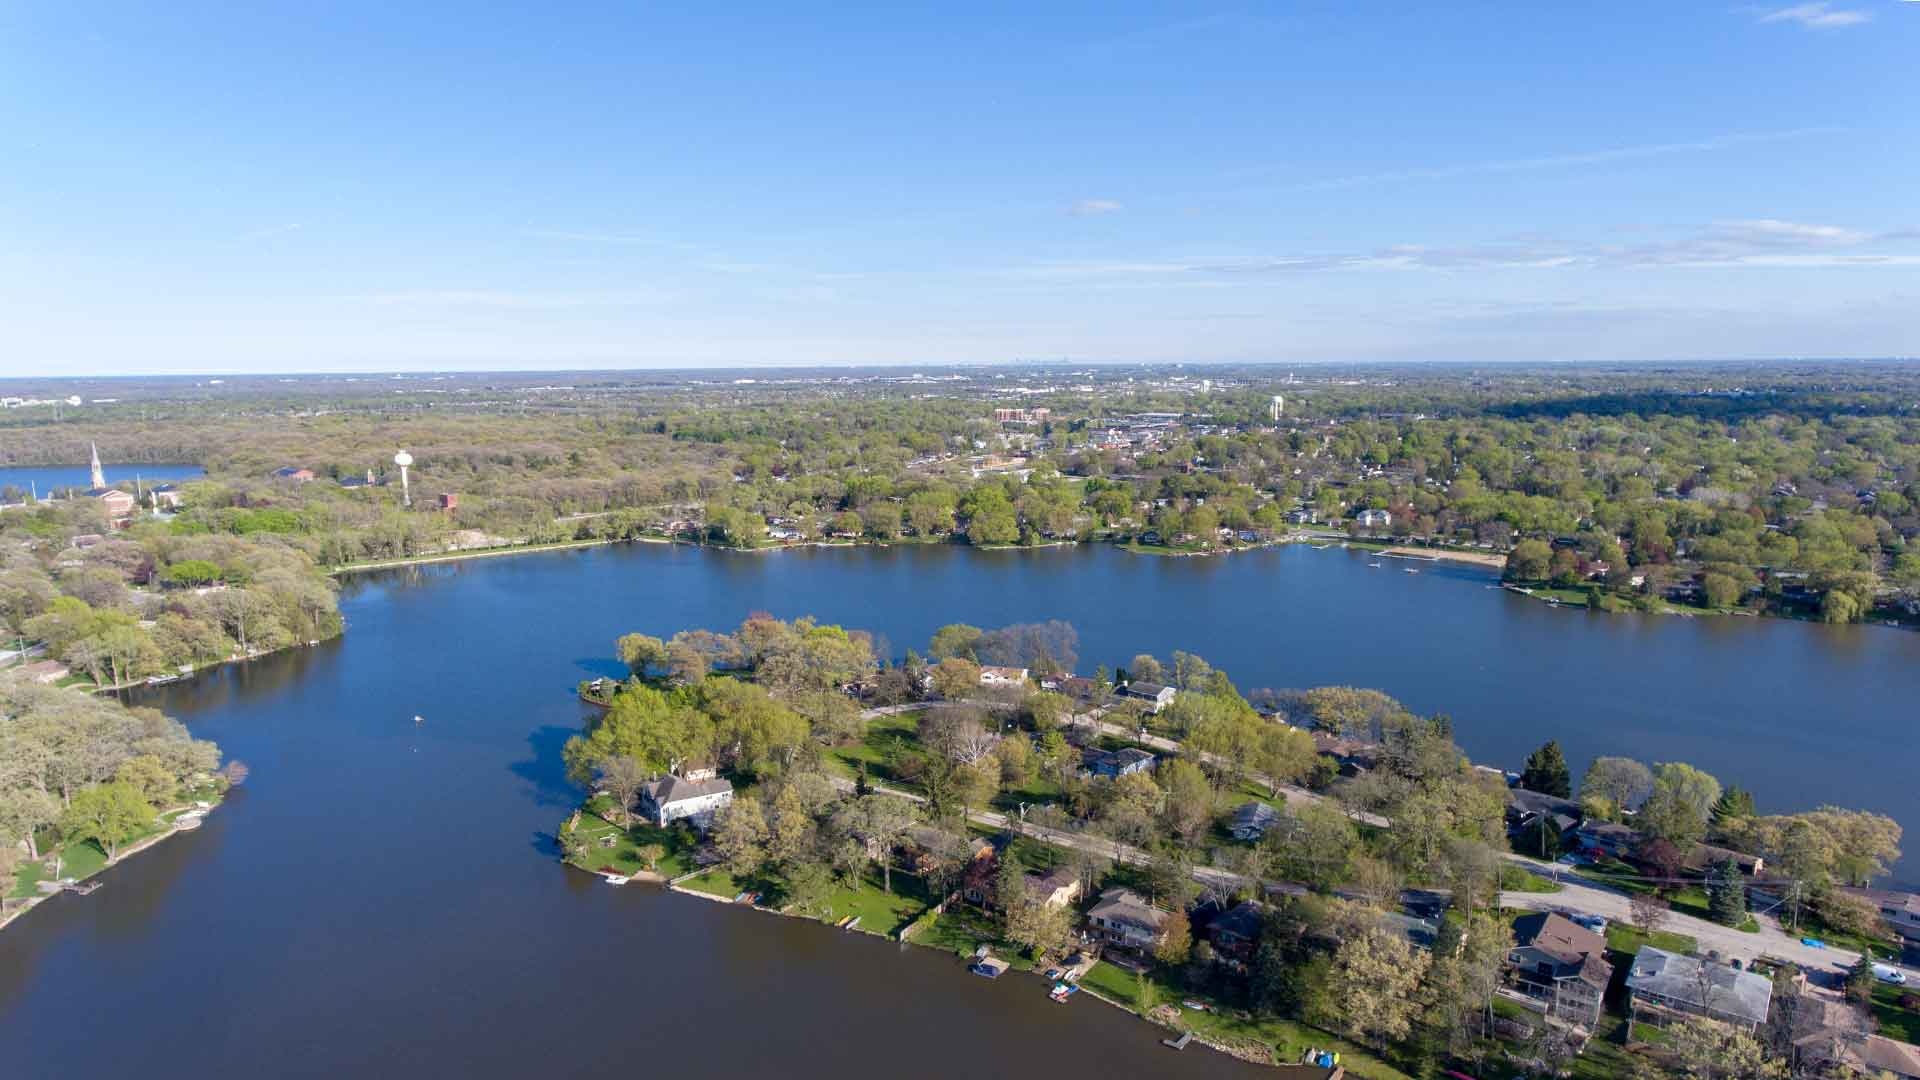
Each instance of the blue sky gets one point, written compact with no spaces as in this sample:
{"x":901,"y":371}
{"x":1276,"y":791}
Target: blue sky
{"x":276,"y":187}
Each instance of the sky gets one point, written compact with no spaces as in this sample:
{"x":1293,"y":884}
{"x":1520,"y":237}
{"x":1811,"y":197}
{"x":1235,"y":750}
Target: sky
{"x":384,"y":187}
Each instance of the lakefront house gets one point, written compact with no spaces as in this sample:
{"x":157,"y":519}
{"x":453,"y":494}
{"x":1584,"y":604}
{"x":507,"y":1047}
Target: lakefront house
{"x":694,"y":797}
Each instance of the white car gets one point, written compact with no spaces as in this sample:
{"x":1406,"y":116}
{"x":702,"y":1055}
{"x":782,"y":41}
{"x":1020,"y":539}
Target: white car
{"x":1887,"y":973}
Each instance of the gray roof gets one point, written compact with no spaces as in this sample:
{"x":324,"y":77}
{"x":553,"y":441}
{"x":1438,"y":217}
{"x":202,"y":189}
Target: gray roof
{"x":1126,"y":906}
{"x":672,"y":789}
{"x":1254,"y":815}
{"x":1145,"y":689}
{"x":1729,"y":993}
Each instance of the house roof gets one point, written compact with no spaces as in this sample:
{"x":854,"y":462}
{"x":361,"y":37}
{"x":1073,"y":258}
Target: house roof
{"x":1146,"y":689}
{"x":1242,"y":920}
{"x":1052,"y":880}
{"x":1567,"y":943}
{"x":1731,"y":993}
{"x":1254,"y":814}
{"x":1126,"y":906}
{"x":1535,"y":802}
{"x":1706,"y":856}
{"x":672,"y":789}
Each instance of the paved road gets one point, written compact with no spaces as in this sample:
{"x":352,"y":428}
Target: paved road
{"x":1591,"y":899}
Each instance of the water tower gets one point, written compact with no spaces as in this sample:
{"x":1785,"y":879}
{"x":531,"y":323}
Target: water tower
{"x":404,"y":459}
{"x":1278,"y":407}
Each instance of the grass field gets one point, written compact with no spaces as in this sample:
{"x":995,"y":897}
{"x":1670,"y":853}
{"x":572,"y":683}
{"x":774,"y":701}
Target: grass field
{"x":1895,"y":1022}
{"x":609,"y":847}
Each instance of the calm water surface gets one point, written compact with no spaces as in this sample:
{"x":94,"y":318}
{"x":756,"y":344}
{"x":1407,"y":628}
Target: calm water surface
{"x":382,"y":898}
{"x":49,"y":478}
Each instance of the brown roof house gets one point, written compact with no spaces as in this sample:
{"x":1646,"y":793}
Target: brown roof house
{"x":1560,"y":965}
{"x":1126,"y":919}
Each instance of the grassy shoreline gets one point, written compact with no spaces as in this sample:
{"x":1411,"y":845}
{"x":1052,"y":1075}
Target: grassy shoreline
{"x":84,"y":859}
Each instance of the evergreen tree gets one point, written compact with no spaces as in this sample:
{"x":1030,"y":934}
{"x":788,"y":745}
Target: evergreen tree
{"x":1859,"y":983}
{"x":1734,"y":803}
{"x":1546,"y":772}
{"x":1726,"y":894}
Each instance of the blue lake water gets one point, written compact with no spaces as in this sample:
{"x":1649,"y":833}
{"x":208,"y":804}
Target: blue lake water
{"x":49,"y":478}
{"x":383,"y":898}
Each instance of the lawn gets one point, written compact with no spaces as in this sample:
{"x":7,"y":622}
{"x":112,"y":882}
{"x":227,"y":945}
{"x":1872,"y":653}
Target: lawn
{"x":1622,"y":938}
{"x":1289,"y":1039}
{"x":1518,"y":879}
{"x":1895,"y":1022}
{"x":78,"y":860}
{"x":611,"y":848}
{"x":885,"y":740}
{"x":880,"y":912}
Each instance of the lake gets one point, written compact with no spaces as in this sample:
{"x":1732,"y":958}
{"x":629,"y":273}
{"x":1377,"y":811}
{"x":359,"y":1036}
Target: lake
{"x":50,"y":478}
{"x":383,"y":897}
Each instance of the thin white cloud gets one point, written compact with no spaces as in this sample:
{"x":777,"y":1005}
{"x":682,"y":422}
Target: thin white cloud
{"x":1817,"y":16}
{"x":1094,"y":207}
{"x":1763,"y":242}
{"x":1606,"y":156}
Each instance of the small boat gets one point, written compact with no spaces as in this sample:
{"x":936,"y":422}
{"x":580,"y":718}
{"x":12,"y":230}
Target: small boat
{"x":418,"y":719}
{"x":616,"y":879}
{"x":1373,"y":566}
{"x":1061,"y":992}
{"x":84,"y":888}
{"x":1408,"y":570}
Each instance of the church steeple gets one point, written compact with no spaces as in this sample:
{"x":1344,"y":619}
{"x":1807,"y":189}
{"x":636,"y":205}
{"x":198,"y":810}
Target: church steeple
{"x":99,"y":474}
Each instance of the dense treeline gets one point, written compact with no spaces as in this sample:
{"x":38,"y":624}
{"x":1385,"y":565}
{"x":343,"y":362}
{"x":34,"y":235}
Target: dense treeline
{"x":154,"y":598}
{"x":79,"y":768}
{"x":1776,"y":489}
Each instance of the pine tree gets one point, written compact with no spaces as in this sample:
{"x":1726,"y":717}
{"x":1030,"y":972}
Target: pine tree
{"x":1546,"y":772}
{"x":1859,"y":983}
{"x":1727,"y":894}
{"x":1735,"y":802}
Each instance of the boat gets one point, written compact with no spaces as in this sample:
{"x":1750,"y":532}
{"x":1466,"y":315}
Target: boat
{"x":84,"y":888}
{"x":1062,"y":991}
{"x":418,"y":719}
{"x":1408,"y":570}
{"x":616,"y":879}
{"x":161,"y":680}
{"x":1373,"y":566}
{"x":989,"y":968}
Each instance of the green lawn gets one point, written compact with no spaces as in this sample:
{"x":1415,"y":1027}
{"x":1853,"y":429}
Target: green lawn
{"x":1895,"y":1022}
{"x":1518,"y":879}
{"x":880,"y":912}
{"x":1622,"y":938}
{"x":885,"y":740}
{"x":622,"y":855}
{"x":80,"y":859}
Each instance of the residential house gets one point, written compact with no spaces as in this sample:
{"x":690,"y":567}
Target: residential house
{"x":166,"y":497}
{"x":1607,"y":838}
{"x":366,"y":481}
{"x":1527,"y":809}
{"x":694,"y":797}
{"x":1664,"y":985}
{"x":1705,"y":857}
{"x":1373,"y":519}
{"x":1860,"y":1054}
{"x":1155,"y":696}
{"x":294,"y":473}
{"x":1055,"y":888}
{"x":1900,"y":909}
{"x":1114,"y":764}
{"x":1252,"y":819}
{"x":1002,"y":676}
{"x":1561,"y":965}
{"x":118,"y":504}
{"x":1126,"y":920}
{"x":1235,"y":933}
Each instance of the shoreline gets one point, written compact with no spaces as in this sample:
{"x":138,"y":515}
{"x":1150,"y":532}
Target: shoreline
{"x":143,"y":844}
{"x":907,"y":938}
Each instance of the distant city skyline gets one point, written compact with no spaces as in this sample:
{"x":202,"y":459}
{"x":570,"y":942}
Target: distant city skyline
{"x":196,"y":190}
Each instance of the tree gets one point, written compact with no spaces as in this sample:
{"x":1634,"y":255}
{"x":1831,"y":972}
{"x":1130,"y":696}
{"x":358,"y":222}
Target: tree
{"x":1677,"y":809}
{"x":1045,"y":929}
{"x":1530,"y":560}
{"x":641,"y":652}
{"x":1613,"y":785}
{"x":1546,"y":772}
{"x":1727,"y":894}
{"x":1860,"y":979}
{"x":1709,"y":1050}
{"x":1189,"y":799}
{"x":1733,"y":804}
{"x":623,"y":777}
{"x":1647,"y":911}
{"x":956,"y":679}
{"x":1176,"y":939}
{"x":1372,"y":985}
{"x":150,"y":776}
{"x":23,"y":812}
{"x":882,"y":821}
{"x":109,"y":815}
{"x":954,"y":640}
{"x":1144,"y":668}
{"x":740,"y":835}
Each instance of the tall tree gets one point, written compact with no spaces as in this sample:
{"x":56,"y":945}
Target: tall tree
{"x":109,"y":815}
{"x":1727,"y":894}
{"x":1546,"y":772}
{"x":1613,"y":785}
{"x":623,"y":776}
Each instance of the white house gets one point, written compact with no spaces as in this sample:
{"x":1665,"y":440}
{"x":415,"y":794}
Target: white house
{"x":1156,"y":696}
{"x":1373,"y":519}
{"x":1003,"y":676}
{"x":694,"y":797}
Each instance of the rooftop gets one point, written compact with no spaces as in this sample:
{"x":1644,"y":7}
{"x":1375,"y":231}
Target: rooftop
{"x":1710,"y":987}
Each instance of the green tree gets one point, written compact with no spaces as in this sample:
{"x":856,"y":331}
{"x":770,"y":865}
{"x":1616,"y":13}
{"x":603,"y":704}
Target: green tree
{"x":1727,"y":894}
{"x":109,"y":815}
{"x":641,"y":652}
{"x":1677,"y":809}
{"x":1546,"y":772}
